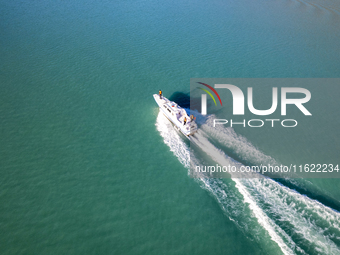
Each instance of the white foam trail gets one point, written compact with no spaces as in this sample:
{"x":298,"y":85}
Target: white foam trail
{"x":308,"y":218}
{"x":220,"y":157}
{"x":229,"y":138}
{"x":243,"y":148}
{"x":182,"y":152}
{"x":239,"y":144}
{"x":302,"y":210}
{"x":173,"y":140}
{"x":271,"y":203}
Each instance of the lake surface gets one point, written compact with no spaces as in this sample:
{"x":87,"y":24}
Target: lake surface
{"x":89,"y":166}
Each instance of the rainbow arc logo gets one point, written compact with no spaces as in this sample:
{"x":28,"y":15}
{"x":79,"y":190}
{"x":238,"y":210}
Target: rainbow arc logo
{"x":204,"y":97}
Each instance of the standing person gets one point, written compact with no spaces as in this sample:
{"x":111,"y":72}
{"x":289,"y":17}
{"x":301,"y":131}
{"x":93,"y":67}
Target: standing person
{"x":185,"y":121}
{"x":160,"y":94}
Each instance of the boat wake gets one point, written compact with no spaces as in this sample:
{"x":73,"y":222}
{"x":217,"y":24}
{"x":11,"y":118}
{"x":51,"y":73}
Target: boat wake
{"x":265,"y":210}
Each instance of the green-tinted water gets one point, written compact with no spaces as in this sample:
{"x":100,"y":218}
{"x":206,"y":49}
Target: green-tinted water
{"x":84,"y":169}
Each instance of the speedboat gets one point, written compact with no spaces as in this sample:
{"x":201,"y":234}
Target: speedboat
{"x":177,"y":115}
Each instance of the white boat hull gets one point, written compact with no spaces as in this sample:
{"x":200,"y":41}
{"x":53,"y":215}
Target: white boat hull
{"x":176,"y":115}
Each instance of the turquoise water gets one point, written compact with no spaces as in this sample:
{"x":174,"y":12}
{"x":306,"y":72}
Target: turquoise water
{"x":88,"y":166}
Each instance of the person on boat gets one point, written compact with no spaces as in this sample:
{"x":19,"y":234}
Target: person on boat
{"x":160,"y":94}
{"x":185,"y":121}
